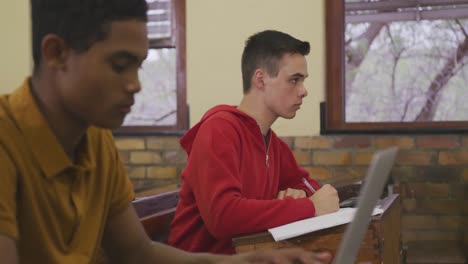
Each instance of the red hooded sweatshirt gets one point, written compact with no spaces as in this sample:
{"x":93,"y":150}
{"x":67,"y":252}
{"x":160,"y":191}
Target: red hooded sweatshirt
{"x":231,"y":181}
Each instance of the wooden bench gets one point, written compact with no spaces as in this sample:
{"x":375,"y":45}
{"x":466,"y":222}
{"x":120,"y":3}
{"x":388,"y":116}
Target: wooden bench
{"x":156,"y":213}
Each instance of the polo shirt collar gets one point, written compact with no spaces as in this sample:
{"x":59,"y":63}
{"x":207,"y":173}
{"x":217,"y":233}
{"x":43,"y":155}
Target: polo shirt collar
{"x":39,"y":136}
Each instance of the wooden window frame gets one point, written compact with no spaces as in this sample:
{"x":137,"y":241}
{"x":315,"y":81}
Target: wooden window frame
{"x":333,"y":110}
{"x":177,"y":41}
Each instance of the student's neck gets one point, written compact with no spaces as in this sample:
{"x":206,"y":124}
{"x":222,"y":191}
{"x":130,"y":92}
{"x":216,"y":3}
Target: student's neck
{"x":64,"y":125}
{"x":256,"y":109}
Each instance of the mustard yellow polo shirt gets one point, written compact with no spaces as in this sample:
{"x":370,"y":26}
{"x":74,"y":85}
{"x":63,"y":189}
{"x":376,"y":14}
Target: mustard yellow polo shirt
{"x":54,"y":209}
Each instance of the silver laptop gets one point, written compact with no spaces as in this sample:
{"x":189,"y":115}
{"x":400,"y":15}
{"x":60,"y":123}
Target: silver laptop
{"x":377,"y":175}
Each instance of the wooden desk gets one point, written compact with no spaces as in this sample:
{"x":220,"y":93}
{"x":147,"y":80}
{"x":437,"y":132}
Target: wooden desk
{"x":381,"y":243}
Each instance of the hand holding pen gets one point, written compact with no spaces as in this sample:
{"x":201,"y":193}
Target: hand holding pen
{"x":325,"y":199}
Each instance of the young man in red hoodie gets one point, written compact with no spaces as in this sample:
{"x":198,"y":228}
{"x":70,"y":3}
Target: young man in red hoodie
{"x":240,"y":177}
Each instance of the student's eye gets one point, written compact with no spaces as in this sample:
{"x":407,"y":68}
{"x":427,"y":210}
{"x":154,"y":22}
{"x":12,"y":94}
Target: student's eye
{"x":294,"y":81}
{"x":119,"y":67}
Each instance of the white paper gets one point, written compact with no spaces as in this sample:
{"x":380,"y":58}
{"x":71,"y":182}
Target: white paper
{"x":343,"y":216}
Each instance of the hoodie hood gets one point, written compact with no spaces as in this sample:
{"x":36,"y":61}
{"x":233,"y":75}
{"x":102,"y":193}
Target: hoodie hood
{"x":187,"y":140}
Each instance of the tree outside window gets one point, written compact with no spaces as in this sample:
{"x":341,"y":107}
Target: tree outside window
{"x":401,"y":65}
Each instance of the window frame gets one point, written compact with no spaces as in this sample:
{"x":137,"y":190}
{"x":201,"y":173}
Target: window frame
{"x":177,"y":41}
{"x":333,"y":110}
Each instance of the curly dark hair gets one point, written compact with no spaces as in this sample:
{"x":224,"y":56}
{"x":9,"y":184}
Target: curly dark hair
{"x":79,"y":22}
{"x":265,"y":49}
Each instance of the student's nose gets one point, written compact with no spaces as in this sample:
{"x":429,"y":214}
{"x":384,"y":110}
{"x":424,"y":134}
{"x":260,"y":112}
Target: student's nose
{"x":303,"y":91}
{"x":134,"y":86}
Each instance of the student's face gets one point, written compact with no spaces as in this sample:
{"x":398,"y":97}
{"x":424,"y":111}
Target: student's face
{"x":98,"y":86}
{"x":284,"y":92}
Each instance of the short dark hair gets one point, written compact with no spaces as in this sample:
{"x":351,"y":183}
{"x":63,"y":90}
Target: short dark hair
{"x":265,"y":49}
{"x":79,"y":22}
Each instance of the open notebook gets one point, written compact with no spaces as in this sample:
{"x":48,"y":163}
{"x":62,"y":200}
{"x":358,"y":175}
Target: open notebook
{"x":377,"y":175}
{"x":298,"y":228}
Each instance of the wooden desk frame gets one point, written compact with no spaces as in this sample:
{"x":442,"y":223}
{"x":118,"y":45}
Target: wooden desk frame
{"x":382,"y":242}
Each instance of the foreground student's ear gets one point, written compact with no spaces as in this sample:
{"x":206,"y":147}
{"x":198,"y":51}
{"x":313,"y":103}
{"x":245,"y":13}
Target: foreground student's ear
{"x":280,"y":256}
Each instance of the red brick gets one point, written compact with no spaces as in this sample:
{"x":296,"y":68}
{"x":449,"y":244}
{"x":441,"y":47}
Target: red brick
{"x":332,"y":158}
{"x":433,"y":245}
{"x":317,"y":142}
{"x":124,"y":156}
{"x":411,"y":157}
{"x":465,"y":175}
{"x":418,"y":221}
{"x":432,"y":206}
{"x":465,"y":141}
{"x":145,"y":157}
{"x":163,"y":143}
{"x":319,"y":173}
{"x":348,"y":175}
{"x":429,"y":235}
{"x":302,"y":157}
{"x":289,"y":141}
{"x":139,"y":184}
{"x":363,"y":158}
{"x":424,"y":190}
{"x":129,"y":143}
{"x":175,"y":157}
{"x":159,"y":172}
{"x":408,"y":205}
{"x":440,"y":174}
{"x":458,"y":191}
{"x":453,"y":158}
{"x":352,"y":142}
{"x":449,"y":222}
{"x":465,"y":241}
{"x":438,"y":141}
{"x":403,"y":142}
{"x":136,"y":172}
{"x":443,"y":206}
{"x":402,"y":174}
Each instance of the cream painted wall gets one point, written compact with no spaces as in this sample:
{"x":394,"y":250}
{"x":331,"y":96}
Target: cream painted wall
{"x":15,"y":51}
{"x":215,"y":41}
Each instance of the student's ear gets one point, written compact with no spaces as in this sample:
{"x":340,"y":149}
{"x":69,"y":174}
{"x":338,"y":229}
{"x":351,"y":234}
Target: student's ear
{"x":259,"y":79}
{"x":54,"y":52}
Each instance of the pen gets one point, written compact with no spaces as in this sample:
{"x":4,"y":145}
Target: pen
{"x":308,"y":185}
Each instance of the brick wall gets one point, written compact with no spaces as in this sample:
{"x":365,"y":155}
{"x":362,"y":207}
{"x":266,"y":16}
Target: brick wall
{"x":431,"y":173}
{"x":152,"y":161}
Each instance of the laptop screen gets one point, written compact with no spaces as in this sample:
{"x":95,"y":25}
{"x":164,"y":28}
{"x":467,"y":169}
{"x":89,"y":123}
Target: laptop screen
{"x":377,"y":175}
